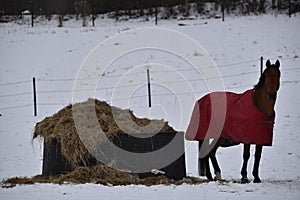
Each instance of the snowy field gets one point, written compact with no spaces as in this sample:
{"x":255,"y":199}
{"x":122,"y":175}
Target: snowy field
{"x":54,"y":55}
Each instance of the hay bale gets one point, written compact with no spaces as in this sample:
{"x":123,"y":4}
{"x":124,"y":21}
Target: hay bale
{"x":61,"y":127}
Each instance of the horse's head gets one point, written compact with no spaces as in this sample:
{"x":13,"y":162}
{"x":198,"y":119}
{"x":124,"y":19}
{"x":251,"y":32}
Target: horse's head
{"x":272,"y":79}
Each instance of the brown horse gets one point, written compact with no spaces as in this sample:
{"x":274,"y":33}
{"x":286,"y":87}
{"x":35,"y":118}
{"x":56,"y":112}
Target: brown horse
{"x":263,"y":98}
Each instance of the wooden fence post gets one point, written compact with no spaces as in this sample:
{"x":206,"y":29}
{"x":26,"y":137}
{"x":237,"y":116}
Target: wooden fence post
{"x":34,"y":97}
{"x":149,"y":87}
{"x":223,"y":10}
{"x":32,"y":14}
{"x":290,"y":8}
{"x":156,"y":13}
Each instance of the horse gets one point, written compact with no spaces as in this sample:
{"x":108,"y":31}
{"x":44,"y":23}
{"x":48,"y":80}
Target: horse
{"x":248,"y":123}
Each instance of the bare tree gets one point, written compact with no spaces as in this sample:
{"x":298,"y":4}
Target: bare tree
{"x":186,"y":12}
{"x":60,"y":10}
{"x":273,"y":4}
{"x":77,"y":8}
{"x":200,"y":6}
{"x":84,"y":13}
{"x":262,"y":6}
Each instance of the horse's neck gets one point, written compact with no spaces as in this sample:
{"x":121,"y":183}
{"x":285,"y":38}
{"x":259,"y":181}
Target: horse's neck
{"x":261,"y":101}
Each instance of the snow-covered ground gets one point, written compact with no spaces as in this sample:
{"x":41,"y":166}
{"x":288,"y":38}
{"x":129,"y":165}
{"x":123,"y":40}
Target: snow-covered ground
{"x":53,"y":55}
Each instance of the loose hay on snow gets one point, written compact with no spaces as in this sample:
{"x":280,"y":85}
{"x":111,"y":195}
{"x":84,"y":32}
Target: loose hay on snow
{"x":99,"y":174}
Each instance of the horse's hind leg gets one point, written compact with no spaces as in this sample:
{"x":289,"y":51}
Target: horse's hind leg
{"x":258,"y":151}
{"x":203,"y":162}
{"x":208,"y":173}
{"x":215,"y":165}
{"x":246,"y":156}
{"x":214,"y":159}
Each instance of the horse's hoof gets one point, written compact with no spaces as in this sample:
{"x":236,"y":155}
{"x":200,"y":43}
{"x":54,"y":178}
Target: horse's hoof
{"x":244,"y":180}
{"x":218,"y":176}
{"x":209,"y":178}
{"x":257,"y":180}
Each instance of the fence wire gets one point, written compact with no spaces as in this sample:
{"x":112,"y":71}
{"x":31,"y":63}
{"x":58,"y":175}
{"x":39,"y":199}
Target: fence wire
{"x":21,"y":83}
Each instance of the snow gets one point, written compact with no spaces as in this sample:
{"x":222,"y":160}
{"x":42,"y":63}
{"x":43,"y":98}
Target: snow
{"x":270,"y":191}
{"x":53,"y":55}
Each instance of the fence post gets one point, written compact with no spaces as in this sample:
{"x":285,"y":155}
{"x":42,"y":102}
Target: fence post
{"x":34,"y":97}
{"x":149,"y":87}
{"x":290,"y":8}
{"x":156,"y":13}
{"x":32,"y":14}
{"x":93,"y":18}
{"x":223,"y":10}
{"x":261,"y":65}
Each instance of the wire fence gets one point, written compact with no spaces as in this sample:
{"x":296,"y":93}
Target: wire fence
{"x":23,"y":94}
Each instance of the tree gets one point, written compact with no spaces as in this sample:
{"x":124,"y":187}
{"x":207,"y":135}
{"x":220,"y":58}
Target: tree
{"x":262,"y":6}
{"x":200,"y":6}
{"x":84,"y":13}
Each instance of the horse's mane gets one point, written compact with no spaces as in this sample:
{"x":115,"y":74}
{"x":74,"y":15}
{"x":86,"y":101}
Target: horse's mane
{"x":262,"y":78}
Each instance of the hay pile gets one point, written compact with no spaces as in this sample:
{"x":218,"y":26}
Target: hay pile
{"x":61,"y":127}
{"x":89,"y":115}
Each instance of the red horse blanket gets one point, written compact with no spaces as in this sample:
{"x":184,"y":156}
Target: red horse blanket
{"x":232,"y":116}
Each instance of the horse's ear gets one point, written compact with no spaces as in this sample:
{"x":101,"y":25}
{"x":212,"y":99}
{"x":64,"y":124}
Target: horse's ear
{"x":268,"y":63}
{"x":277,"y":64}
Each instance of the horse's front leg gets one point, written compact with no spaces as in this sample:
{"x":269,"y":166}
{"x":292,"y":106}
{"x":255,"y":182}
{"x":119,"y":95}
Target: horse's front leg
{"x":258,"y":151}
{"x":204,"y":168}
{"x":246,"y":156}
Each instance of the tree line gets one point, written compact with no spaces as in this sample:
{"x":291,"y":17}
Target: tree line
{"x":134,"y":7}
